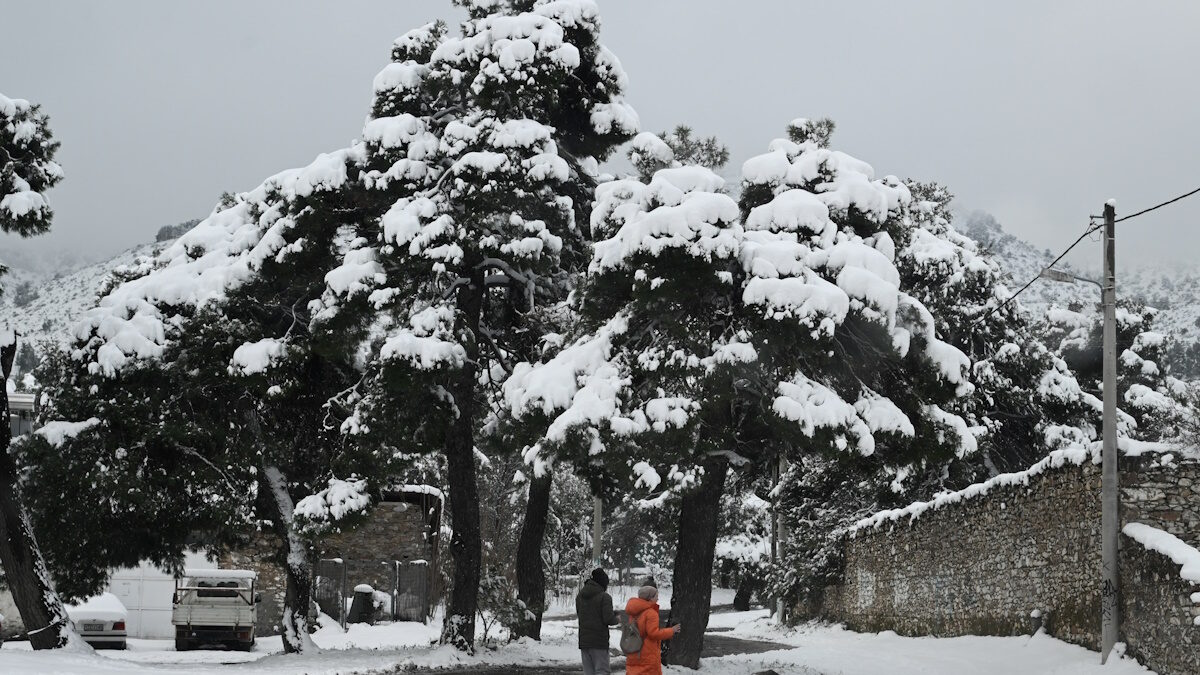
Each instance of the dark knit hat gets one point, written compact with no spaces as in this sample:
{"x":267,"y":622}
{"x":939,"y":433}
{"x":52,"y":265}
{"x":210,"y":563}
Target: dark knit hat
{"x":600,"y":576}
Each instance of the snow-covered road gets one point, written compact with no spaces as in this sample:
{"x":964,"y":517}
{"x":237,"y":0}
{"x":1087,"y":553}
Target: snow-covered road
{"x":814,"y":649}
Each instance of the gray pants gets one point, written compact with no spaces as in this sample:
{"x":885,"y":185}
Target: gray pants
{"x":595,"y":661}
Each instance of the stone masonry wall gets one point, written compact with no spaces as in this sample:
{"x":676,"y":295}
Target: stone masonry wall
{"x":983,"y":562}
{"x":404,"y":527}
{"x":395,"y":531}
{"x":261,"y":555}
{"x":1158,"y":612}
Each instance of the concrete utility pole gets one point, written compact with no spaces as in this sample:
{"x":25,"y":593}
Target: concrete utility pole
{"x":780,"y":531}
{"x":1109,"y":487}
{"x":1110,"y":516}
{"x":597,"y":530}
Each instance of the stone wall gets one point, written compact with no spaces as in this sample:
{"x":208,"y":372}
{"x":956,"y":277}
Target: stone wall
{"x":404,"y":527}
{"x":261,"y":555}
{"x":983,"y":560}
{"x":367,"y":547}
{"x":1159,"y":615}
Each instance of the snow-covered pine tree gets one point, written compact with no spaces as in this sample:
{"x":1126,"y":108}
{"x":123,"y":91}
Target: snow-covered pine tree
{"x":202,"y":378}
{"x":1153,"y":404}
{"x":717,"y":337}
{"x":744,"y":541}
{"x":144,"y":457}
{"x":27,"y":169}
{"x":1025,"y":401}
{"x":481,"y":151}
{"x":649,"y":152}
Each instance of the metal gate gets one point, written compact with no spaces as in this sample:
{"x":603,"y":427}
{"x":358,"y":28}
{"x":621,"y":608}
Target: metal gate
{"x":329,"y":588}
{"x":410,"y":590}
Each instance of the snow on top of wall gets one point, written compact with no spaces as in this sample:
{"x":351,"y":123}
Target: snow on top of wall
{"x":1071,"y":456}
{"x":422,"y":489}
{"x":1173,"y":547}
{"x":1056,"y":459}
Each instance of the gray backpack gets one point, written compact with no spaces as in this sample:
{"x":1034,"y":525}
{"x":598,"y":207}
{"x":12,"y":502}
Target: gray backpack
{"x":631,"y":637}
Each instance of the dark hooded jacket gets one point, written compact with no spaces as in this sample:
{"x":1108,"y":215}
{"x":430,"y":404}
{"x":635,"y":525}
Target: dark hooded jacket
{"x":595,"y":610}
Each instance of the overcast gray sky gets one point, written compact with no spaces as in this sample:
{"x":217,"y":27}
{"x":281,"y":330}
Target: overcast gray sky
{"x":1035,"y":111}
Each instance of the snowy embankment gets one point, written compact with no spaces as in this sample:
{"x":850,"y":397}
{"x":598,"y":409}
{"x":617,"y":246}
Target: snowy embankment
{"x":813,"y":649}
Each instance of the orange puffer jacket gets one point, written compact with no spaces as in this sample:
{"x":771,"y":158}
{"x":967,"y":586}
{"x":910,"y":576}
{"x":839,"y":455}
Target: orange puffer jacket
{"x":649,"y":660}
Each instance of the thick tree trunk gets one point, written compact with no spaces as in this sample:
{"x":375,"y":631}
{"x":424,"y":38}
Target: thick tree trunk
{"x":41,"y":610}
{"x":465,"y":546}
{"x":458,"y":628}
{"x":531,"y":575}
{"x":297,"y":567}
{"x":691,"y":586}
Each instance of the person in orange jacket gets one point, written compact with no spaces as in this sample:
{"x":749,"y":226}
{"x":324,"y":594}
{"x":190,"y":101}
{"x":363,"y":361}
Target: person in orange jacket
{"x":643,"y":610}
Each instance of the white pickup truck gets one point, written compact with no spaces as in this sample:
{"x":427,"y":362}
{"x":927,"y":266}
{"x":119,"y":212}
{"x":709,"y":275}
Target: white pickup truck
{"x":215,"y":606}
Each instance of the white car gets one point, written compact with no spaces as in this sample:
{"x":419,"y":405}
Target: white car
{"x":100,"y":621}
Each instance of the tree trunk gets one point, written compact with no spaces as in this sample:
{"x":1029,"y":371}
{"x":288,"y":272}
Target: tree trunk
{"x":297,"y":568}
{"x":41,"y":610}
{"x":691,"y":586}
{"x":531,"y":576}
{"x":465,"y":546}
{"x":458,"y":628}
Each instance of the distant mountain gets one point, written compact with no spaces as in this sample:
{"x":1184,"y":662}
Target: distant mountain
{"x":44,"y":304}
{"x":1173,"y":290}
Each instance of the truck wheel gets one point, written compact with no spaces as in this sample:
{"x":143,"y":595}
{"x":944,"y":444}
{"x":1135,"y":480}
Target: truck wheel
{"x":182,"y":644}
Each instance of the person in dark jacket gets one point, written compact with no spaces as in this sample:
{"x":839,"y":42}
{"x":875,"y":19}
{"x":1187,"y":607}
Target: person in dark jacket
{"x":594,"y":607}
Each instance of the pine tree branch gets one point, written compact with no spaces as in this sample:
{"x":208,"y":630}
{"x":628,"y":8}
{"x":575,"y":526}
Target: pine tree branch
{"x":491,"y":342}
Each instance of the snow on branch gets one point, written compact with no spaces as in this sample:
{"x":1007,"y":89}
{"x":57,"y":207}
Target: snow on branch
{"x":225,"y":250}
{"x":325,"y":510}
{"x":57,"y":432}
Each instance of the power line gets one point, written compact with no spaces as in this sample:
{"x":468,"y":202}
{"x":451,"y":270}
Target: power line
{"x":1158,"y":206}
{"x":1091,"y":228}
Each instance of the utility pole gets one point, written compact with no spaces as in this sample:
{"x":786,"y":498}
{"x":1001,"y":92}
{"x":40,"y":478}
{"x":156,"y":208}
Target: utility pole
{"x":597,"y":530}
{"x":1109,"y":488}
{"x":1110,"y":515}
{"x":781,"y":533}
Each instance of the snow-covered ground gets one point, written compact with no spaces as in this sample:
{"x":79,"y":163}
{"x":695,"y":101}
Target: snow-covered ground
{"x":829,"y":650}
{"x":814,"y":649}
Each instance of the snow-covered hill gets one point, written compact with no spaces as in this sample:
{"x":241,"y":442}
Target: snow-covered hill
{"x":1173,"y":290}
{"x":62,"y":295}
